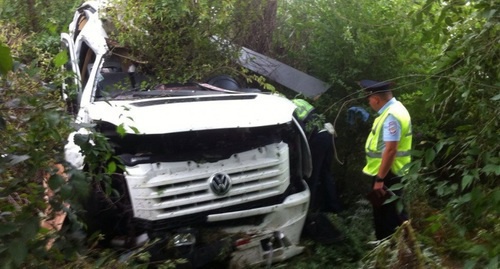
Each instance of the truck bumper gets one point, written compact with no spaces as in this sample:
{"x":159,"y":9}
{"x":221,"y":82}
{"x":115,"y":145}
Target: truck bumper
{"x":276,"y":238}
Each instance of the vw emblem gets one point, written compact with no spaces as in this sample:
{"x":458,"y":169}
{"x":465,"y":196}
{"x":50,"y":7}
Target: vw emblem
{"x":220,"y":183}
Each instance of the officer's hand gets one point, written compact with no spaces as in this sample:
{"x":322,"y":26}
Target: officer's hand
{"x":378,"y":185}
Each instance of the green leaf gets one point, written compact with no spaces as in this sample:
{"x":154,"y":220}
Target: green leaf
{"x":396,"y":187}
{"x":81,"y":139}
{"x":80,"y":183}
{"x":121,"y":130}
{"x":491,"y":169}
{"x":418,"y":20}
{"x":439,"y":146}
{"x":136,"y":131}
{"x":66,"y":191}
{"x":30,"y":228}
{"x":7,"y":228}
{"x":448,"y":21}
{"x":430,"y":154}
{"x":18,"y":251}
{"x":466,"y":181}
{"x":465,"y":128}
{"x":56,"y":181}
{"x":111,"y":167}
{"x":464,"y":199}
{"x":269,"y":87}
{"x":391,"y":199}
{"x":470,"y":264}
{"x":399,"y":206}
{"x":493,"y":264}
{"x":478,"y":250}
{"x":6,"y":62}
{"x":495,"y":98}
{"x":417,"y":153}
{"x":60,"y":59}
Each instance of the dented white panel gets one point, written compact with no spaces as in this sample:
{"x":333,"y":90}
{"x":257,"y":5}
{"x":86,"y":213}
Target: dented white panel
{"x":263,"y":110}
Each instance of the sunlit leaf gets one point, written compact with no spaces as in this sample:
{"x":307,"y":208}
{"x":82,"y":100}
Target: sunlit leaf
{"x":6,"y":62}
{"x":111,"y":167}
{"x":120,"y":129}
{"x":60,"y":59}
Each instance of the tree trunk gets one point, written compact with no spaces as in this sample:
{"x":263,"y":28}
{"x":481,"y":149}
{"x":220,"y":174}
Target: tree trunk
{"x":32,"y":15}
{"x":260,"y":28}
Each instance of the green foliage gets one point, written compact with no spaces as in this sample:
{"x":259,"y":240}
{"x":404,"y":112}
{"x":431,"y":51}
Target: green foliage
{"x":34,"y":129}
{"x":346,"y":253}
{"x":6,"y":62}
{"x":401,"y":250}
{"x":345,"y":41}
{"x":444,"y":60}
{"x":31,"y":143}
{"x":442,"y":54}
{"x":342,"y":42}
{"x":459,"y":158}
{"x":44,"y":18}
{"x":179,"y":40}
{"x":38,"y":16}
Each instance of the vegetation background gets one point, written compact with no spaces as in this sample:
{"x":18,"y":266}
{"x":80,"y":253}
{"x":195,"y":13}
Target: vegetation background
{"x":443,"y":56}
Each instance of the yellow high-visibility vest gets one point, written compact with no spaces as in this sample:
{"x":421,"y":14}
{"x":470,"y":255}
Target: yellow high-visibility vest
{"x":303,"y":108}
{"x":375,"y":144}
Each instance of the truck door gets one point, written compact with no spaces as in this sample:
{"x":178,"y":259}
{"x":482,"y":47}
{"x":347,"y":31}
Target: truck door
{"x":72,"y":87}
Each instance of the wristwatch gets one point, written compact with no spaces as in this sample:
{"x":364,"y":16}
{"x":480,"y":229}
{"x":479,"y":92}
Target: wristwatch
{"x":378,"y":179}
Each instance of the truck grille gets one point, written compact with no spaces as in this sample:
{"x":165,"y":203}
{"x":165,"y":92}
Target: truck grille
{"x":167,"y":190}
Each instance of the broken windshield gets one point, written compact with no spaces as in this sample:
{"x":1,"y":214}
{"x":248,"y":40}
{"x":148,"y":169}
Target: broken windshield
{"x":119,"y":75}
{"x":119,"y":78}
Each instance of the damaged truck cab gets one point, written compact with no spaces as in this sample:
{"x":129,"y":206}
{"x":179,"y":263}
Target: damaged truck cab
{"x":206,"y":170}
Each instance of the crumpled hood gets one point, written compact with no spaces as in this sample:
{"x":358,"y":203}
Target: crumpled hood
{"x":193,"y":113}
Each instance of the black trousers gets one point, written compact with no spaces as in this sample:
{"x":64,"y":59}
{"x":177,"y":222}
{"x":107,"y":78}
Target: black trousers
{"x":386,"y":217}
{"x":321,"y":183}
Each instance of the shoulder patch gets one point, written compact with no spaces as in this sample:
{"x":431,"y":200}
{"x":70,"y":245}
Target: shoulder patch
{"x":392,"y":127}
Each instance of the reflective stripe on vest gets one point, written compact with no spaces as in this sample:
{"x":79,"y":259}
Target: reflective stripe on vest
{"x":375,"y":145}
{"x":303,"y":108}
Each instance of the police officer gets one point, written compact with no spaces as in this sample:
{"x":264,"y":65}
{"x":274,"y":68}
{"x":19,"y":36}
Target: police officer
{"x":387,"y":151}
{"x":321,"y":183}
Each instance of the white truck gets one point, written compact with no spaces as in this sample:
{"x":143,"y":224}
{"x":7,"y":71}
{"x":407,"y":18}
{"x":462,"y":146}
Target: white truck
{"x":209,"y":172}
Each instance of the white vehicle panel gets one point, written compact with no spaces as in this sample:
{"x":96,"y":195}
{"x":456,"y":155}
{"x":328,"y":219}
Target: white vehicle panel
{"x":264,"y":110}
